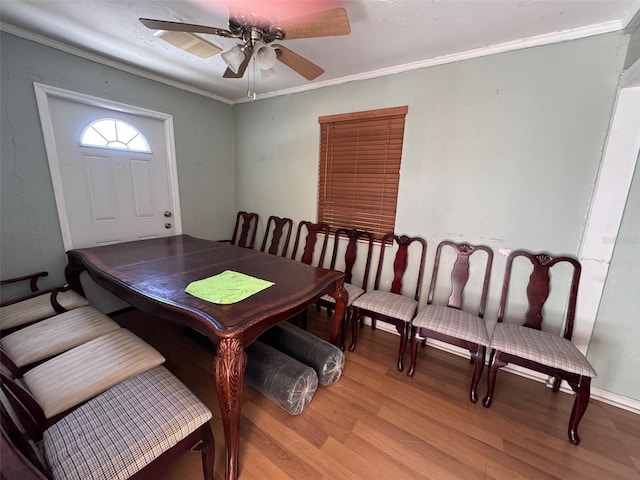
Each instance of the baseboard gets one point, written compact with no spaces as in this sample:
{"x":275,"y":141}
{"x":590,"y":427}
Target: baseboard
{"x":614,"y":399}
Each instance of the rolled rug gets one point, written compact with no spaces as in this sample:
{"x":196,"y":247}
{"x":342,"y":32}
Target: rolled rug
{"x":326,"y":359}
{"x":287,"y":382}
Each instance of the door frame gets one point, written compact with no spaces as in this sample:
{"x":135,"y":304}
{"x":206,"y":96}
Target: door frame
{"x":46,"y":92}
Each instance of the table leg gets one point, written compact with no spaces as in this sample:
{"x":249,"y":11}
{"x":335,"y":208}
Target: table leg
{"x":229,"y":366}
{"x":342,"y":298}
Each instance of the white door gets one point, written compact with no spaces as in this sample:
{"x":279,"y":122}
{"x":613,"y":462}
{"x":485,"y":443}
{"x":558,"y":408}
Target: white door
{"x":106,"y":194}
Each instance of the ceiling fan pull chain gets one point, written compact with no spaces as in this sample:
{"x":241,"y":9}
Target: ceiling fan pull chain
{"x":251,"y":80}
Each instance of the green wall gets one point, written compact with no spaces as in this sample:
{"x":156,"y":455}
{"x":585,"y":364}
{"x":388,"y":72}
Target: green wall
{"x":502,"y":150}
{"x":633,"y":51}
{"x":31,"y":239}
{"x":614,"y":344}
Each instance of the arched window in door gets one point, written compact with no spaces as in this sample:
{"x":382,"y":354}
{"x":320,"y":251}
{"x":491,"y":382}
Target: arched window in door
{"x":112,"y":133}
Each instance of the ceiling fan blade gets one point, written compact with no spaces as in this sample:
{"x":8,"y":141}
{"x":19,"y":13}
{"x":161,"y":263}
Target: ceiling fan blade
{"x":183,"y":27}
{"x":298,"y":63}
{"x":228,"y":73}
{"x":322,"y":24}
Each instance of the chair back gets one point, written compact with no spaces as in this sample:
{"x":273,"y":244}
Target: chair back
{"x":351,"y":252}
{"x":315,"y":232}
{"x":279,"y":224}
{"x":27,"y":409}
{"x":539,"y":287}
{"x":460,"y":271}
{"x":244,"y":232}
{"x":20,"y":455}
{"x":401,"y":261}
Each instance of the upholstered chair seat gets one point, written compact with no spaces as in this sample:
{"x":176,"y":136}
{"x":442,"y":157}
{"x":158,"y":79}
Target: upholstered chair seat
{"x":38,"y":308}
{"x":352,"y":290}
{"x":541,"y":347}
{"x":56,"y":335}
{"x":83,"y":372}
{"x":453,"y":322}
{"x":388,"y":304}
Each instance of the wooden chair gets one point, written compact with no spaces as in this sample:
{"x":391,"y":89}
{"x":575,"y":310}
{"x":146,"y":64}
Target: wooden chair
{"x":450,"y":323}
{"x":279,"y":224}
{"x":130,"y":431}
{"x":315,"y":232}
{"x":531,"y":347}
{"x":244,"y":232}
{"x":392,"y":306}
{"x":350,"y":257}
{"x":38,"y":304}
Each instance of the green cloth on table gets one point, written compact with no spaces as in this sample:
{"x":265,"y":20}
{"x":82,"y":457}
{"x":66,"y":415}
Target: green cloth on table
{"x":227,"y":287}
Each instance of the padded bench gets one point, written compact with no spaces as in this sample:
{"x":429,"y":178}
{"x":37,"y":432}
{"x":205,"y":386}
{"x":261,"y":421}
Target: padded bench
{"x":52,"y":336}
{"x":126,"y":430}
{"x":40,"y":304}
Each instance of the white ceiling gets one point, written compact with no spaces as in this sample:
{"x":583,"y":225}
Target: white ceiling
{"x":386,"y":35}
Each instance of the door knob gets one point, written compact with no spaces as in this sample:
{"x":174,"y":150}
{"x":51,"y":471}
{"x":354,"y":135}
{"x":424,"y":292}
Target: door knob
{"x":167,"y":225}
{"x":167,"y":213}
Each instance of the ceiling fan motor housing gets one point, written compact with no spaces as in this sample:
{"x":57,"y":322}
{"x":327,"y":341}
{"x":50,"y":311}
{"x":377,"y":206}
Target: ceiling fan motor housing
{"x":254,"y":28}
{"x":255,"y":32}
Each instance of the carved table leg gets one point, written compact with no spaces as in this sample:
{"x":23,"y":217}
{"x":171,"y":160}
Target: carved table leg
{"x":229,"y":366}
{"x":342,"y":298}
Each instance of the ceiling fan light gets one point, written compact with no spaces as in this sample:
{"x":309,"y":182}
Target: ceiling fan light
{"x":265,"y":56}
{"x":267,"y":74}
{"x":233,"y":58}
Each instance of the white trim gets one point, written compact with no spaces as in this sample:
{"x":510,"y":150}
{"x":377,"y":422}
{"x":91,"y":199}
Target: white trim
{"x":78,"y":52}
{"x":607,"y":206}
{"x":614,"y":399}
{"x":535,"y":41}
{"x":620,"y":401}
{"x":45,"y":92}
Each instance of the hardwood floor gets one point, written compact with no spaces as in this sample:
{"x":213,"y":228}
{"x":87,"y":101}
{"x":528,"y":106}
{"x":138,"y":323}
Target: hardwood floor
{"x":376,"y":423}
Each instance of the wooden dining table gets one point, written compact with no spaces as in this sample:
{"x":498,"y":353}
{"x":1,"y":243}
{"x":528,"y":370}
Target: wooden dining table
{"x":152,"y":275}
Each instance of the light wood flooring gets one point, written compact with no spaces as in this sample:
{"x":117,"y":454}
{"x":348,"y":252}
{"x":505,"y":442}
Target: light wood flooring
{"x":376,"y":423}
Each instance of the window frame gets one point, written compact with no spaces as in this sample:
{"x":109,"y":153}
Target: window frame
{"x":371,"y":156}
{"x":111,"y":141}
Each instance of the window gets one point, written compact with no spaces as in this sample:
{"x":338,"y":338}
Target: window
{"x":360,"y":157}
{"x":111,"y":133}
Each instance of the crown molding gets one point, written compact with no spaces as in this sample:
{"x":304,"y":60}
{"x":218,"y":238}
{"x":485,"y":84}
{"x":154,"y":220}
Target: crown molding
{"x":78,"y":52}
{"x":535,"y":41}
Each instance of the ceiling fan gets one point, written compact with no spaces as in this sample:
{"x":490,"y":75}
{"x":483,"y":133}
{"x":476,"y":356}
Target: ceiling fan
{"x":257,"y":35}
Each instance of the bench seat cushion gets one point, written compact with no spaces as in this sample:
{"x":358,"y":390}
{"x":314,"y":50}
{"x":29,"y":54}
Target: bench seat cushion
{"x":55,"y":335}
{"x":85,"y":371}
{"x":124,"y":429}
{"x":38,"y":308}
